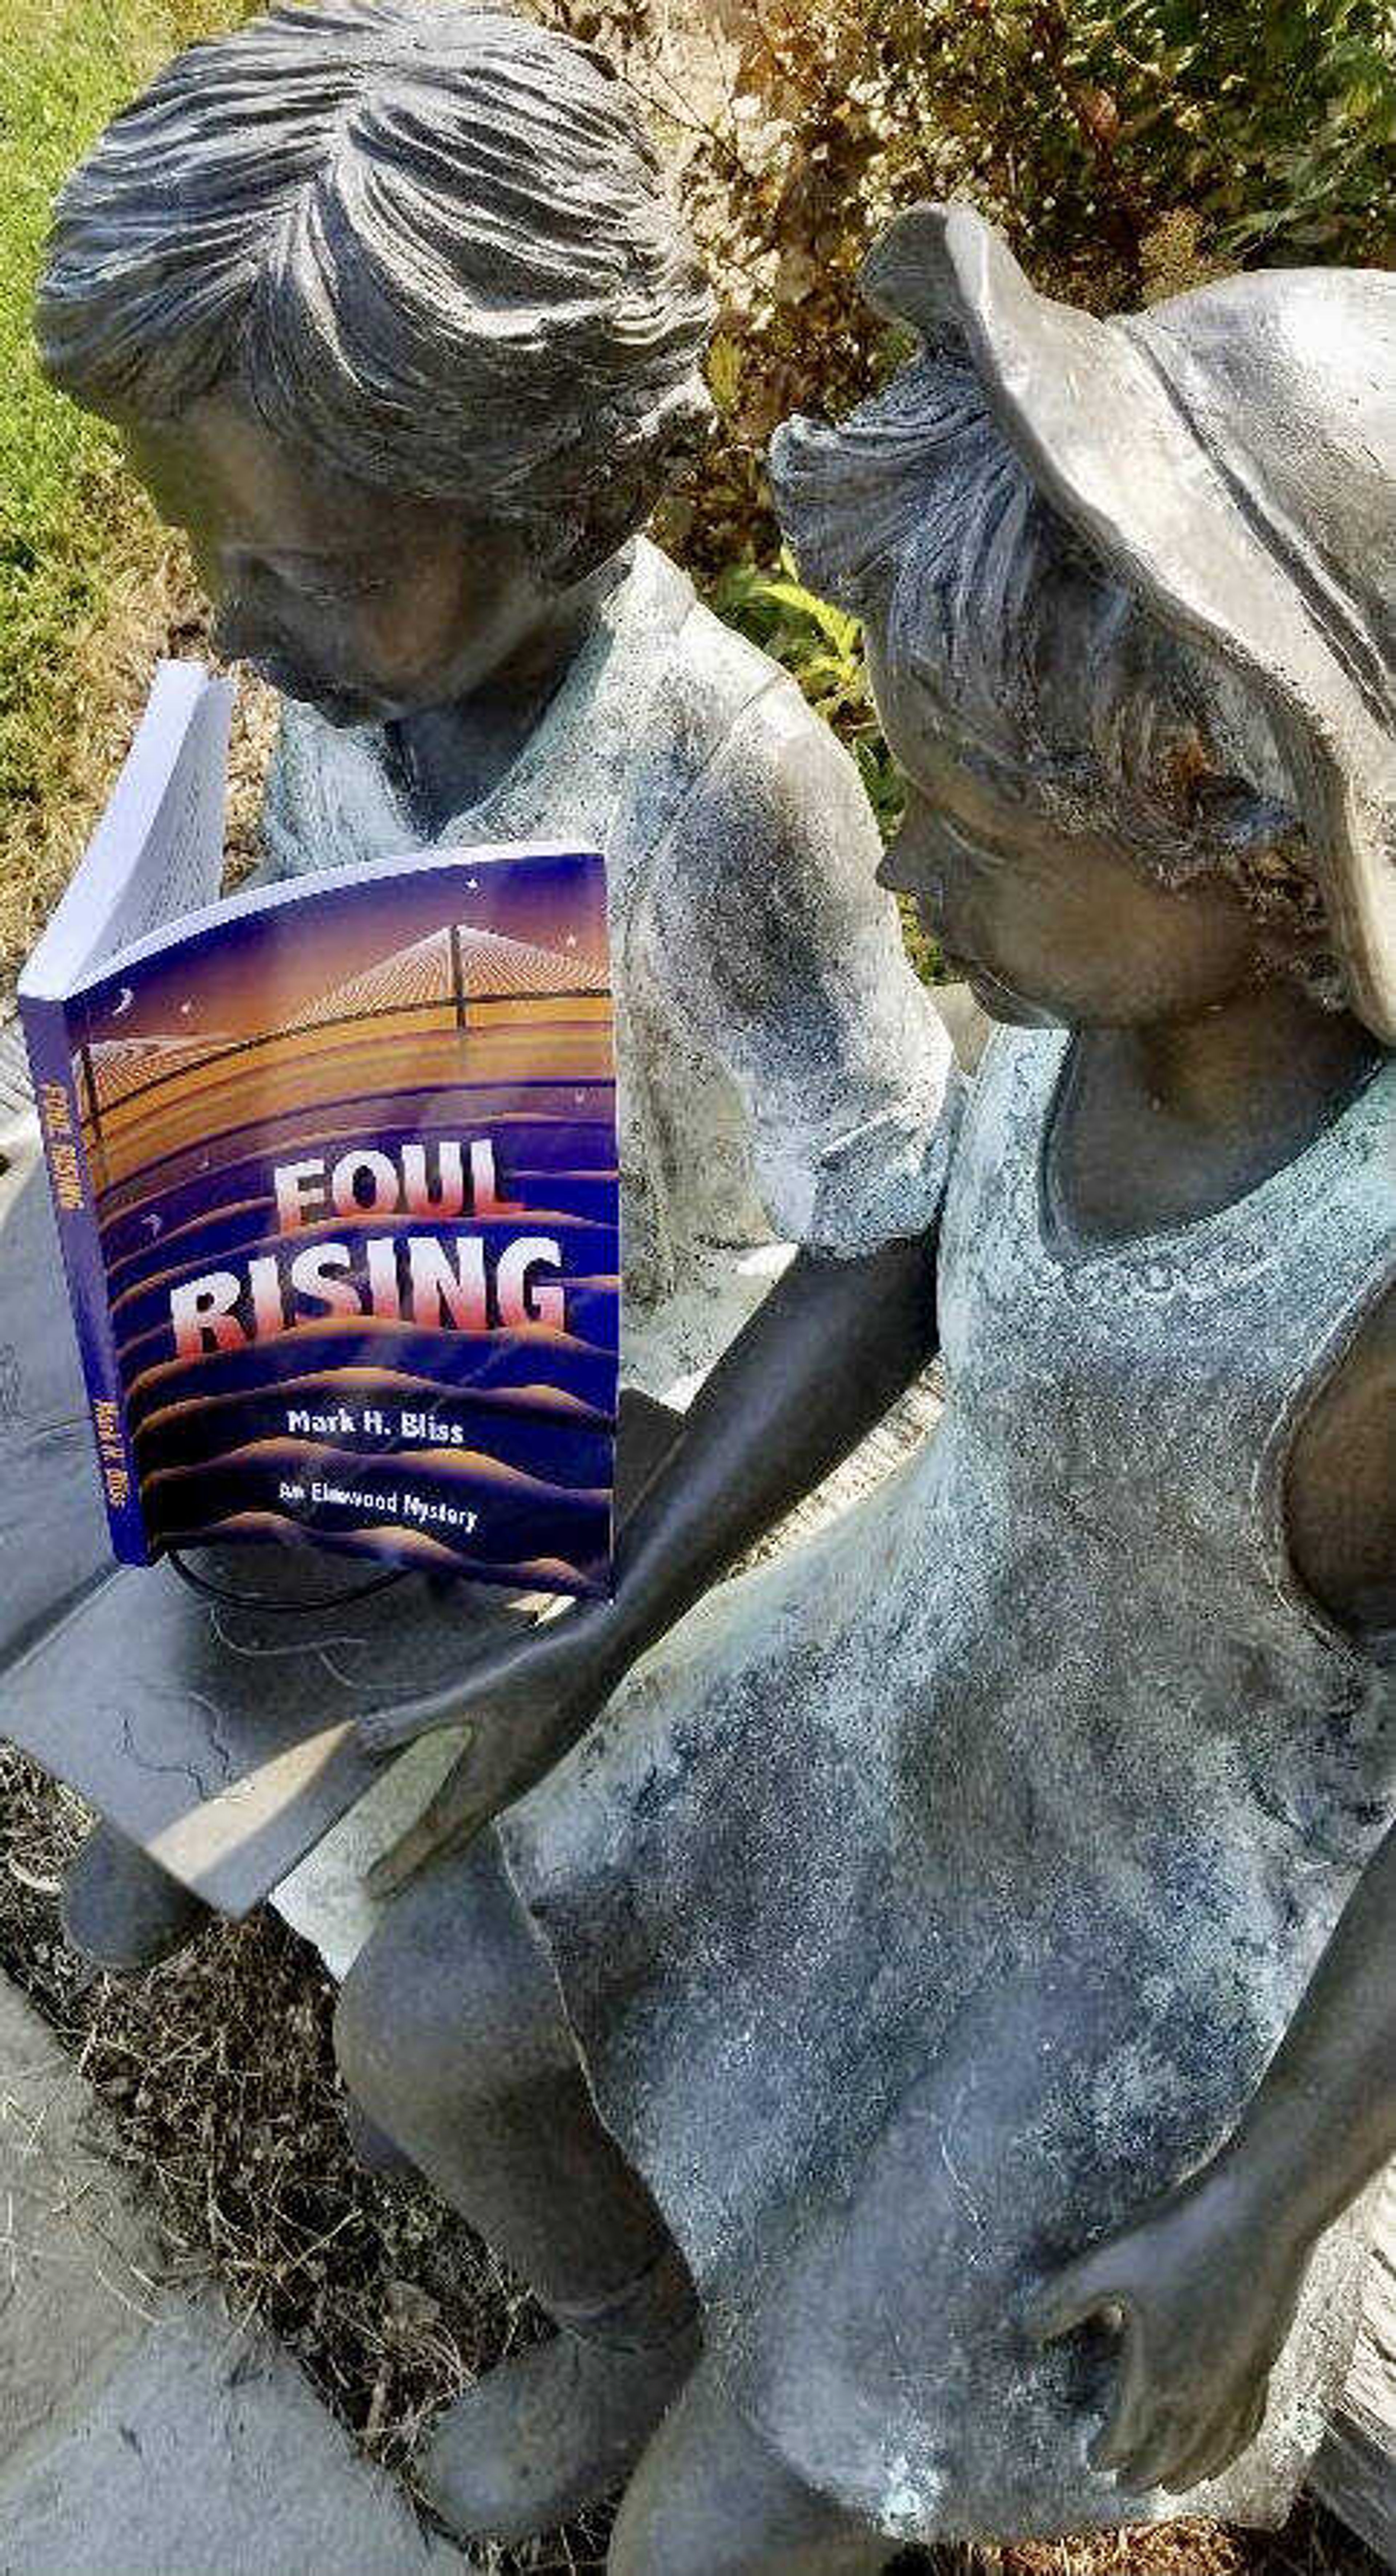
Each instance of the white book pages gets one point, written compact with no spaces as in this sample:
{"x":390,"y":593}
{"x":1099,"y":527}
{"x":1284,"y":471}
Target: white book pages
{"x":157,"y":852}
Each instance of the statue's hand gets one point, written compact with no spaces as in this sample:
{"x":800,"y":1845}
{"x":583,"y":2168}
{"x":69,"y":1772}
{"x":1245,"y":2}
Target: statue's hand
{"x":1205,"y":2287}
{"x":525,"y":1703}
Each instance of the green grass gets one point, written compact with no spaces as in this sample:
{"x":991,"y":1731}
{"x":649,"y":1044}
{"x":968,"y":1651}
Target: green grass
{"x":71,"y":524}
{"x":66,"y":65}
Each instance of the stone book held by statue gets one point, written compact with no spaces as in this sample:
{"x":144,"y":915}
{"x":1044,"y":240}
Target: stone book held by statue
{"x":334,"y":1165}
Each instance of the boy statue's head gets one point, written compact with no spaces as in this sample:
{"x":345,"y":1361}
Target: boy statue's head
{"x":393,"y":309}
{"x":1130,"y":592}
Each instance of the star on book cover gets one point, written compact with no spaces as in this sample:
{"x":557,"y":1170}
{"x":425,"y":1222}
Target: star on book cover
{"x":335,"y":1168}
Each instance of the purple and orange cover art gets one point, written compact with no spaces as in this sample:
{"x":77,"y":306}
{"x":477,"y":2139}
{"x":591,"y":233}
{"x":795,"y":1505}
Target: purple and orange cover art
{"x":335,"y":1165}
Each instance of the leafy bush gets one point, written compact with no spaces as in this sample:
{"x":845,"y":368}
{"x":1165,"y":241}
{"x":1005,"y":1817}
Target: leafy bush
{"x":1128,"y":149}
{"x":824,"y":646}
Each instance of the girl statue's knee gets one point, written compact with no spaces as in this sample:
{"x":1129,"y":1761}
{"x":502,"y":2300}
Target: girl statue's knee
{"x":364,"y":2033}
{"x":709,"y":2499}
{"x":450,"y":2003}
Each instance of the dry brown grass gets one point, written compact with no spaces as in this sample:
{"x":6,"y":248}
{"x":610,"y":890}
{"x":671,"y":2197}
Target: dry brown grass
{"x":94,"y":702}
{"x":219,"y":2072}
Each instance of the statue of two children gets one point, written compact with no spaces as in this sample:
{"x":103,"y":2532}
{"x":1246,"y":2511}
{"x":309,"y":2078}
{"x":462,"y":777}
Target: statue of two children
{"x":814,"y":1965}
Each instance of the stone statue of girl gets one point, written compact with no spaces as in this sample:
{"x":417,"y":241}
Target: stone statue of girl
{"x":392,"y":306}
{"x":962,"y":1948}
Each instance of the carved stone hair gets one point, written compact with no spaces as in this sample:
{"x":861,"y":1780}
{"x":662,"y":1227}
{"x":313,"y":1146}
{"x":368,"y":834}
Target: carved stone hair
{"x":918,"y":516}
{"x":427,"y":242}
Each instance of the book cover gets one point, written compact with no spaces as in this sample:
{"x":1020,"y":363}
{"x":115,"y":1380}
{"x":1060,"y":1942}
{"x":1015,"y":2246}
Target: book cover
{"x":335,"y":1167}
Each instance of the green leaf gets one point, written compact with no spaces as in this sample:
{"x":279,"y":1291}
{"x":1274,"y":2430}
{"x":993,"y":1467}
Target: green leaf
{"x":725,"y":372}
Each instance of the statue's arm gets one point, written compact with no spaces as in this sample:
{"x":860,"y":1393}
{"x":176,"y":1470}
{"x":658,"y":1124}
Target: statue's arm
{"x":1324,"y":2120}
{"x":830,"y":1348}
{"x":1206,"y":2282}
{"x":1323,"y":2123}
{"x":777,"y":953}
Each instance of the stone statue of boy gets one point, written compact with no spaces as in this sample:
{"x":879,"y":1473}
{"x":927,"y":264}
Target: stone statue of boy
{"x":392,"y":307}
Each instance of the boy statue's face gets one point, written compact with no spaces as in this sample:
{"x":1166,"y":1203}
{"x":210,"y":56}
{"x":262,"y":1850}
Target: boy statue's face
{"x":365,"y":604}
{"x":1047,"y":926}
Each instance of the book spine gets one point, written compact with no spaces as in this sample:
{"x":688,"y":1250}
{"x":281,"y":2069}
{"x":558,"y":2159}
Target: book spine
{"x":48,"y":1038}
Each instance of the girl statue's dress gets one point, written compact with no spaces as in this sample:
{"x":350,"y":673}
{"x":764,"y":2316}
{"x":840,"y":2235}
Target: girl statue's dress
{"x":936,"y":1893}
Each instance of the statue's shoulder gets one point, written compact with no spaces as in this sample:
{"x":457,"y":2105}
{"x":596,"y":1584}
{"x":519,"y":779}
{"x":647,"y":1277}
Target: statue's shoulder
{"x":716,"y":682}
{"x":328,"y":791}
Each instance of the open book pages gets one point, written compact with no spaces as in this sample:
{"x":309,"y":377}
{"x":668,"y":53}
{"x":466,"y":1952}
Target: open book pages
{"x":157,"y":853}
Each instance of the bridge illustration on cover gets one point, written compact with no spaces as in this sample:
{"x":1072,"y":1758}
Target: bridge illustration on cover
{"x":450,"y":969}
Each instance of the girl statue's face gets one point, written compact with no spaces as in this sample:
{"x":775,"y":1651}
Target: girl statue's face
{"x":1046,"y":926}
{"x":365,"y":604}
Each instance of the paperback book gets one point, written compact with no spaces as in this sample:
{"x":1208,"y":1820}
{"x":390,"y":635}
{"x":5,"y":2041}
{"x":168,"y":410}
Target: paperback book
{"x":334,"y":1161}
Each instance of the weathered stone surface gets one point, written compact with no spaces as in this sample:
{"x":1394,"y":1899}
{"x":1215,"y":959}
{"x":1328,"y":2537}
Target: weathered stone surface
{"x":326,"y":1899}
{"x":1355,"y":2473}
{"x":76,"y":2261}
{"x":19,"y":1131}
{"x":137,"y":2429}
{"x":206,"y":2454}
{"x":872,"y":1828}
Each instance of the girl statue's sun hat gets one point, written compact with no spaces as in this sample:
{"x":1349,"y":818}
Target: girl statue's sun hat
{"x":1229,"y":457}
